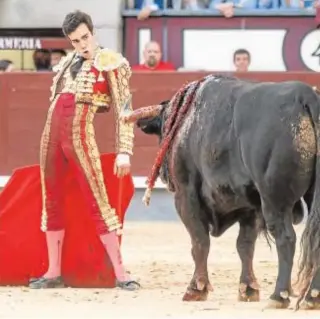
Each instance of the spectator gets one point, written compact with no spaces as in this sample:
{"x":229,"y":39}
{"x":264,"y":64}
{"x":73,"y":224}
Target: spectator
{"x":6,"y":66}
{"x":298,"y":4}
{"x":241,"y":60}
{"x":316,"y":5}
{"x":152,"y":59}
{"x":190,"y":4}
{"x":227,"y":8}
{"x":266,"y":4}
{"x":55,"y":57}
{"x":147,"y":7}
{"x":41,"y":59}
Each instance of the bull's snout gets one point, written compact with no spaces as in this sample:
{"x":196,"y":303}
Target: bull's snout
{"x":142,"y":123}
{"x":150,"y":125}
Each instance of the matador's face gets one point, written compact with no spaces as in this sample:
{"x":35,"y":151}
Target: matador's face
{"x":83,"y":41}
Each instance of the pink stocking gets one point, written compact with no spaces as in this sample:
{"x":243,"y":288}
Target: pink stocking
{"x":54,"y":245}
{"x":111,"y":244}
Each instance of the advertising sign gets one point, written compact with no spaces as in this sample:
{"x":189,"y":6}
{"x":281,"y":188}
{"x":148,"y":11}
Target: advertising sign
{"x":279,"y":44}
{"x":19,"y":43}
{"x":215,"y":49}
{"x":310,"y":50}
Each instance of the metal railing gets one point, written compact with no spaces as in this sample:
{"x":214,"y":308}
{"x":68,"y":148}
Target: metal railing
{"x":237,"y":12}
{"x":171,"y":10}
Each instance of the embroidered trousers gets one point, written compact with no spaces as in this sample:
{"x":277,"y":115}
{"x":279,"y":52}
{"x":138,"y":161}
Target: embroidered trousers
{"x":68,"y":142}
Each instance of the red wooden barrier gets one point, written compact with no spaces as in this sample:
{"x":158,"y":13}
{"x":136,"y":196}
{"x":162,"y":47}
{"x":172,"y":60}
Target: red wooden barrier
{"x":25,"y":101}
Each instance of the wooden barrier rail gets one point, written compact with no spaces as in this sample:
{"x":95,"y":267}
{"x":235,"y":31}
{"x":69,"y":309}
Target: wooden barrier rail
{"x":24,"y":104}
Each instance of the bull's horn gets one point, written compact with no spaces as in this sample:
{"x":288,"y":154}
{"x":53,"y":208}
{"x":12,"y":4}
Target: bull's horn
{"x":142,"y":112}
{"x":315,"y":89}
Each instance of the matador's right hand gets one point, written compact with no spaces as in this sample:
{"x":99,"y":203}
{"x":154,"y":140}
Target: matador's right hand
{"x":126,"y":117}
{"x":122,"y":165}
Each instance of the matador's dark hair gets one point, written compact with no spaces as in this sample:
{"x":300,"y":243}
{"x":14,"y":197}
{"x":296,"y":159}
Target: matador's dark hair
{"x":73,"y":19}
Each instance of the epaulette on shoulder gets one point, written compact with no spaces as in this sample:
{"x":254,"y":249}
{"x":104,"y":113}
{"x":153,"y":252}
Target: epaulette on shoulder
{"x":107,"y":60}
{"x":63,"y":61}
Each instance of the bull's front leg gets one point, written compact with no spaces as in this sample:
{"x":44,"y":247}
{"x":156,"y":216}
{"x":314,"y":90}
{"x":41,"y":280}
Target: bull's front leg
{"x":248,"y":234}
{"x":188,"y":207}
{"x":279,"y":224}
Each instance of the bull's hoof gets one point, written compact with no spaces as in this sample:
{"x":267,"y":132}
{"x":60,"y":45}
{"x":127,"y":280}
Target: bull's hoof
{"x":279,"y":302}
{"x":310,"y":305}
{"x":198,"y":291}
{"x":195,"y":295}
{"x":312,"y":302}
{"x":248,"y":294}
{"x":293,"y":294}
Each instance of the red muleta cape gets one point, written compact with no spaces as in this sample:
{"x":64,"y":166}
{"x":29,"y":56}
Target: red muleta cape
{"x":23,"y":250}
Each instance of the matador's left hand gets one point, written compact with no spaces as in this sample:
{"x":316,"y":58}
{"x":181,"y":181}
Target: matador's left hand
{"x":122,"y":165}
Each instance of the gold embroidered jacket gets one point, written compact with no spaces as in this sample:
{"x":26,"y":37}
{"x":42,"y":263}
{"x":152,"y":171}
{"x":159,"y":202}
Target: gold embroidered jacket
{"x":101,"y":83}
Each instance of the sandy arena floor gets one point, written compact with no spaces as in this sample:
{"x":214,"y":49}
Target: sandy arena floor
{"x":158,"y":254}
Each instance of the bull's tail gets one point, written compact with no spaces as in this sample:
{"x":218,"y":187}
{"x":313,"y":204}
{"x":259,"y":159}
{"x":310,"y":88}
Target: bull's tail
{"x":263,"y":230}
{"x":310,"y":241}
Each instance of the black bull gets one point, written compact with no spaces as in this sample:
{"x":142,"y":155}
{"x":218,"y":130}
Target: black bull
{"x":247,"y":152}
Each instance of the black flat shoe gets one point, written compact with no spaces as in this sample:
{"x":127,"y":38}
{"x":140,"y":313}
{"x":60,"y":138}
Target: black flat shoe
{"x":128,"y":285}
{"x":43,"y":283}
